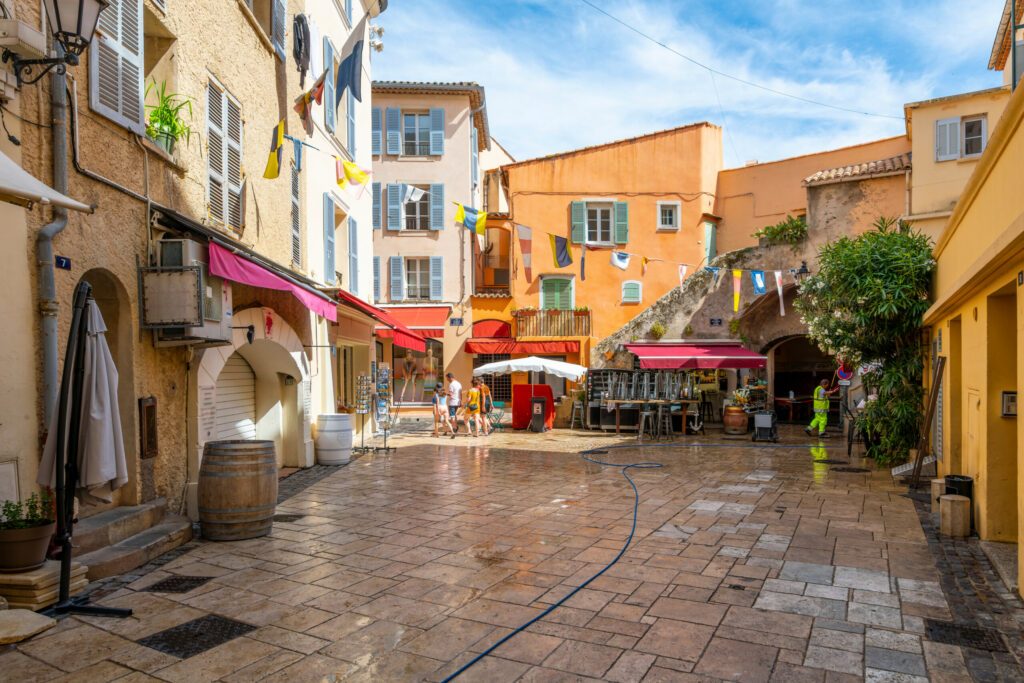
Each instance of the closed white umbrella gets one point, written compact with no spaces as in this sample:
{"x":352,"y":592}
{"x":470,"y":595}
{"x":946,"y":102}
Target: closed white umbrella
{"x":558,"y":368}
{"x":102,"y":468}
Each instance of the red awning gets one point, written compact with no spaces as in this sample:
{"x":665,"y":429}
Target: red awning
{"x":403,"y":336}
{"x":695,"y":356}
{"x":426,"y":321}
{"x":240,"y":269}
{"x":499,"y":345}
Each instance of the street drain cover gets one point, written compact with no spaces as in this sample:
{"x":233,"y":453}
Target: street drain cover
{"x":850,"y":469}
{"x":287,"y":518}
{"x":598,"y":452}
{"x":832,"y":462}
{"x":196,"y":636}
{"x":178,"y":584}
{"x":963,"y":635}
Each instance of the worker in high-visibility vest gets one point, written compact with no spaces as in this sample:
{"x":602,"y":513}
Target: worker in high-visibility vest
{"x":820,"y":421}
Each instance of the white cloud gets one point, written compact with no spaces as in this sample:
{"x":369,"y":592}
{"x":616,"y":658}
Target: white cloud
{"x":566,"y":77}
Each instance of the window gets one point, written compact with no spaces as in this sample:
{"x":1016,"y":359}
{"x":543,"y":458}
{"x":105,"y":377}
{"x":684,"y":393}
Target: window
{"x":973,"y":130}
{"x":353,"y":256}
{"x":500,"y":385}
{"x":224,"y":157}
{"x":331,"y":64}
{"x":415,"y":134}
{"x":668,"y":215}
{"x":557,"y":293}
{"x":296,"y":220}
{"x":271,"y":16}
{"x":116,"y":65}
{"x":599,"y":223}
{"x":632,"y":291}
{"x":417,"y":278}
{"x":417,"y":213}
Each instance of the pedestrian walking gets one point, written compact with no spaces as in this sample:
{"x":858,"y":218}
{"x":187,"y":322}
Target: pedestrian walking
{"x":821,"y":394}
{"x":439,"y":402}
{"x":486,"y":406}
{"x":454,"y":401}
{"x":473,"y":403}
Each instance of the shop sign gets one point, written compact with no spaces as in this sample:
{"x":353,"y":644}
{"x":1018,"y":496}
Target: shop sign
{"x":62,"y":262}
{"x":455,"y":322}
{"x":716,"y":322}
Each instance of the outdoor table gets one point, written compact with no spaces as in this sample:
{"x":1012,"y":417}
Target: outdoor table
{"x":791,"y":403}
{"x":618,"y":402}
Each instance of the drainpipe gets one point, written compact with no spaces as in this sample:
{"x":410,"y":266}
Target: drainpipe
{"x":906,"y":177}
{"x":48,"y":306}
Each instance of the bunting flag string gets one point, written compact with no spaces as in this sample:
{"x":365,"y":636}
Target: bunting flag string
{"x":778,"y":286}
{"x":682,"y":274}
{"x":757,"y":279}
{"x":473,"y":220}
{"x":350,"y":70}
{"x":304,"y":102}
{"x":297,"y":146}
{"x":348,"y":174}
{"x":714,"y":277}
{"x":526,"y":247}
{"x":273,"y":168}
{"x":737,"y":283}
{"x":620,"y":260}
{"x":560,"y":251}
{"x":583,"y":262}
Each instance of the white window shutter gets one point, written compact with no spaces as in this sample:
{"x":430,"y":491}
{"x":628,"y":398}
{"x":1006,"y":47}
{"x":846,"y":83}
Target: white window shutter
{"x":947,"y":139}
{"x":353,"y":256}
{"x":216,"y":190}
{"x":233,"y":163}
{"x":115,"y":65}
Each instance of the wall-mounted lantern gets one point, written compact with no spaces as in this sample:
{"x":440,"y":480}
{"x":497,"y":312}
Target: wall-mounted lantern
{"x":73,"y":24}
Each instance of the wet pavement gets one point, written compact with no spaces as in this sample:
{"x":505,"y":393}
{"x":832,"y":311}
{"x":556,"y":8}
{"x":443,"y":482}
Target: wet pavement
{"x":750,"y":562}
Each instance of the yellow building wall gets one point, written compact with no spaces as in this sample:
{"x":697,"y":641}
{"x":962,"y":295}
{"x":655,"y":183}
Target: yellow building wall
{"x":979,"y":314}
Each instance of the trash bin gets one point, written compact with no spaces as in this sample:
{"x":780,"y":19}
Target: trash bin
{"x":959,"y":485}
{"x":538,"y":412}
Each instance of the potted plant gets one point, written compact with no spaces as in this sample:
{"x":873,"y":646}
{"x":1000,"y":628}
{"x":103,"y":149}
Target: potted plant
{"x":525,"y":312}
{"x":167,"y":122}
{"x":581,"y":311}
{"x":25,"y":531}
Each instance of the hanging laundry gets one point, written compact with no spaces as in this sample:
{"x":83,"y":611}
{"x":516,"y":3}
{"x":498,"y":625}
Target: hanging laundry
{"x":560,"y":251}
{"x":273,"y":168}
{"x":473,"y":220}
{"x":304,"y":102}
{"x":349,"y":174}
{"x":526,"y":246}
{"x":583,"y":262}
{"x":620,"y":260}
{"x":682,"y":275}
{"x":778,"y":286}
{"x":643,"y":265}
{"x":737,"y":284}
{"x":300,"y":46}
{"x":350,"y":71}
{"x":411,"y":193}
{"x":757,"y":279}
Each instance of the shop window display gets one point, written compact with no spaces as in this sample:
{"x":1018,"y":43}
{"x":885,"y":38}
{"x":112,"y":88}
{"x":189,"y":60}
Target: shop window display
{"x":416,"y":373}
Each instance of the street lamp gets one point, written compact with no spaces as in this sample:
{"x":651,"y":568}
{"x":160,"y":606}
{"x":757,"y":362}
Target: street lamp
{"x":799,"y":274}
{"x":72,"y":23}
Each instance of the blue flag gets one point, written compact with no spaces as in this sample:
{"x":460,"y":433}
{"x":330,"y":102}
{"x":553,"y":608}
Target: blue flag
{"x":757,"y":278}
{"x":560,"y":251}
{"x":714,"y":275}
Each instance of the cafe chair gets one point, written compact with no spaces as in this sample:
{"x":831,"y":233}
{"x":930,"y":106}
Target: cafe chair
{"x":577,"y":413}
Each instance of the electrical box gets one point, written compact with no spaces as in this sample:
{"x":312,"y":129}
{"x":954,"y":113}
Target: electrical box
{"x":22,"y":39}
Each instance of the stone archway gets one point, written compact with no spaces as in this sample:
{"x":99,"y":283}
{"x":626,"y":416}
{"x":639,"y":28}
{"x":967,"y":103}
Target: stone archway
{"x":112,"y":299}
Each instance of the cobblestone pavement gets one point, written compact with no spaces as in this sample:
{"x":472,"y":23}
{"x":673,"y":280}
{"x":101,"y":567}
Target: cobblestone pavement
{"x":750,"y":562}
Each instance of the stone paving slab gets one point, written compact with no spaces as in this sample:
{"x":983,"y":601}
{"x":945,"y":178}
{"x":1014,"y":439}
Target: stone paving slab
{"x":748,"y":564}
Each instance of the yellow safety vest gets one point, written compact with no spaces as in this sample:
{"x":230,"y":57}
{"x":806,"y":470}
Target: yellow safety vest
{"x":820,"y":400}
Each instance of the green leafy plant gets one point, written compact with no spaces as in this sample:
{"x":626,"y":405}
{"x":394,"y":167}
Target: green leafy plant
{"x":688,"y":331}
{"x":168,"y":116}
{"x":582,"y":309}
{"x":865,"y":305}
{"x":657,"y":330}
{"x":791,"y":230}
{"x":734,"y":327}
{"x":36,"y":511}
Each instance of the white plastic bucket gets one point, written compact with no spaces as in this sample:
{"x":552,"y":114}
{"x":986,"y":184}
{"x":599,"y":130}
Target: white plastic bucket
{"x":334,"y":439}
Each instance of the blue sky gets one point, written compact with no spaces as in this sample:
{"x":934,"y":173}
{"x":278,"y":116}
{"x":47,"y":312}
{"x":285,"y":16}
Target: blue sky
{"x":560,"y":75}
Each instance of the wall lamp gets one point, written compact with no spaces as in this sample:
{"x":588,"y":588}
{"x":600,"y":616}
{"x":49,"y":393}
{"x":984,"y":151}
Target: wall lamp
{"x":250,"y":332}
{"x":800,"y":273}
{"x":72,"y":23}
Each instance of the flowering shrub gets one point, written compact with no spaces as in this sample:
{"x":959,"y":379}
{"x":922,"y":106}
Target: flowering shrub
{"x":865,"y":305}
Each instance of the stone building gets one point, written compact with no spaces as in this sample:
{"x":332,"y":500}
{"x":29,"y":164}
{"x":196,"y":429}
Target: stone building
{"x":257,"y":365}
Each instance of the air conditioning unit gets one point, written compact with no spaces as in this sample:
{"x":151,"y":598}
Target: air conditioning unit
{"x":182,"y":302}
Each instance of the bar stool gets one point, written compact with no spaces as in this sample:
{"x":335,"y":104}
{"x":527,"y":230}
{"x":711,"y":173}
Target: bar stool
{"x":646,"y":424}
{"x":577,"y":412}
{"x":665,"y":421}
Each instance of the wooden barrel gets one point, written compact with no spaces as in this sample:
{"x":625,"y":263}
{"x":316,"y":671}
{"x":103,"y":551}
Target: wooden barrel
{"x":333,"y":438}
{"x":237,"y":489}
{"x":734,"y":420}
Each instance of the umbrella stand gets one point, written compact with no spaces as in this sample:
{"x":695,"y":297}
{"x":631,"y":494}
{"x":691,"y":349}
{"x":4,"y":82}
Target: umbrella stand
{"x":68,"y":427}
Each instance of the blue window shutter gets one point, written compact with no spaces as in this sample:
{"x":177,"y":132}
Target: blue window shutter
{"x":710,"y":248}
{"x":437,"y":206}
{"x":397,"y":268}
{"x":353,"y":255}
{"x":395,"y":206}
{"x":376,"y":279}
{"x":621,"y":222}
{"x":393,"y":119}
{"x":475,"y":156}
{"x":376,"y":206}
{"x":436,"y":131}
{"x":330,"y":111}
{"x":351,"y":117}
{"x":578,"y":218}
{"x":436,"y":278}
{"x":328,"y":238}
{"x":375,"y":136}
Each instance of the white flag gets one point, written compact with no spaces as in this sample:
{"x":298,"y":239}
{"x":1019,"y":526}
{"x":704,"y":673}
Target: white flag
{"x":412,"y":193}
{"x":778,"y":286}
{"x":620,"y":260}
{"x":682,"y":274}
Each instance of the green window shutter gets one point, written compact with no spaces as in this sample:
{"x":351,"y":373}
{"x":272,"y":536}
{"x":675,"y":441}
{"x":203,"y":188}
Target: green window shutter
{"x":556,"y":293}
{"x":547,"y":293}
{"x":710,"y":248}
{"x":621,"y":223}
{"x":578,"y":218}
{"x":632,"y":292}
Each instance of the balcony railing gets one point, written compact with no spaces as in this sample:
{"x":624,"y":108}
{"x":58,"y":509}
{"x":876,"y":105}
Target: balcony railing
{"x":552,"y":323}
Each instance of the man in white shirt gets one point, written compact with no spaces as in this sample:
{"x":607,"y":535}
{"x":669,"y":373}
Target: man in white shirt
{"x":454,"y":399}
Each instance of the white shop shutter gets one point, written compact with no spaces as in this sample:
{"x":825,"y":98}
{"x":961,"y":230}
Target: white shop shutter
{"x":115,"y":65}
{"x":236,"y":400}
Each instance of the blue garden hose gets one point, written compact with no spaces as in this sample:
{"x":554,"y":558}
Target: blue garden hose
{"x":636,"y":507}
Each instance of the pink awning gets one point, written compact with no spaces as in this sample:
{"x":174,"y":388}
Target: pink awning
{"x":669,"y":356}
{"x":240,"y":269}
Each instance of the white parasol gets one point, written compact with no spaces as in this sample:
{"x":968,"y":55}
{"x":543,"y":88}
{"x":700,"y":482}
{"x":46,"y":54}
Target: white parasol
{"x":569,"y":371}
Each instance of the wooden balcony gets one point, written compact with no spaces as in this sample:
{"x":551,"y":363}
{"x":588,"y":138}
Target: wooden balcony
{"x":552,"y":323}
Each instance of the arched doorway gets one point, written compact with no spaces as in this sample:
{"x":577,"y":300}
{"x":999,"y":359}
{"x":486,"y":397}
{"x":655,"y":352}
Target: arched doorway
{"x":112,"y":299}
{"x":796,"y":366}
